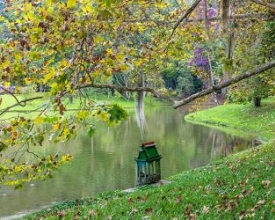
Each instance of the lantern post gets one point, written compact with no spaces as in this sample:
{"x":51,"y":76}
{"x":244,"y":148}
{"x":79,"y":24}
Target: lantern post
{"x":148,"y":164}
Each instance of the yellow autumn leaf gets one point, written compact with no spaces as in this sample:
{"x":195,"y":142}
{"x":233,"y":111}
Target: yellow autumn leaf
{"x":104,"y":116}
{"x":7,"y":84}
{"x":56,"y":126}
{"x":30,"y":16}
{"x":50,"y":2}
{"x":2,"y":18}
{"x":28,"y":7}
{"x":88,"y":8}
{"x":71,"y":3}
{"x":120,"y":57}
{"x":66,"y":132}
{"x":38,"y":120}
{"x":48,"y":76}
{"x":109,"y":51}
{"x":124,"y":67}
{"x":19,"y":168}
{"x":18,"y":55}
{"x":82,"y":115}
{"x":66,"y":158}
{"x":98,"y":39}
{"x":28,"y":80}
{"x":18,"y":90}
{"x":54,"y":86}
{"x":64,"y":63}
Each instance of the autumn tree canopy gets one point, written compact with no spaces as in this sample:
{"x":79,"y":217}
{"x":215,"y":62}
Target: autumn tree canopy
{"x":69,"y":46}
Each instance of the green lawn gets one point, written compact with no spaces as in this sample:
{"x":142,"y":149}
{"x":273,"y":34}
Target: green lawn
{"x":241,"y":186}
{"x":245,"y":118}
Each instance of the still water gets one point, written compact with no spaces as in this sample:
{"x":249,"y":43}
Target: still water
{"x":106,"y":161}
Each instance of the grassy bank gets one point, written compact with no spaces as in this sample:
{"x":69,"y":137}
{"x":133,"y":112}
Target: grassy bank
{"x":243,"y":118}
{"x":241,"y":186}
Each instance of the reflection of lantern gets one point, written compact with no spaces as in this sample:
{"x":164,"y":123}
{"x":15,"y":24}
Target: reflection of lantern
{"x":148,"y":164}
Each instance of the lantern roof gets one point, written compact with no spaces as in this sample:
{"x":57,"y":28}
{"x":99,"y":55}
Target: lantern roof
{"x":148,"y":152}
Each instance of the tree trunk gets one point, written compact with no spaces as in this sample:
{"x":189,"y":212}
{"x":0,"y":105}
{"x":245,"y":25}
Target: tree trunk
{"x":225,"y":14}
{"x":140,"y":115}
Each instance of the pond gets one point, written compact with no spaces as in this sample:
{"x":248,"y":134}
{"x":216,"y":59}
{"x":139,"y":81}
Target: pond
{"x":106,"y":161}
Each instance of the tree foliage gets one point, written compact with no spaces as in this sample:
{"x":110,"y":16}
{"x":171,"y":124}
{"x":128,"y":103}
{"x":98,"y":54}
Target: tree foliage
{"x":70,"y":46}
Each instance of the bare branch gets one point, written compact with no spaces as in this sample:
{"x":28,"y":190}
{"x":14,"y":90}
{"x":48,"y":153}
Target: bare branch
{"x":21,"y":103}
{"x":16,"y":99}
{"x":263,"y":16}
{"x":116,"y":87}
{"x":269,"y":5}
{"x":236,"y":79}
{"x":125,"y":88}
{"x":188,"y":12}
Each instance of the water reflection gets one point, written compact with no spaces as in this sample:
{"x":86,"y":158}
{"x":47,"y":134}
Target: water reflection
{"x":106,"y":161}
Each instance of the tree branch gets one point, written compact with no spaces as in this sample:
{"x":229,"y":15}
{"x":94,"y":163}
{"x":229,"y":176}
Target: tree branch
{"x":16,"y":99}
{"x":225,"y":14}
{"x":266,"y":4}
{"x":21,"y":103}
{"x":206,"y":21}
{"x":125,"y":88}
{"x":236,"y":79}
{"x":264,"y":16}
{"x":188,"y":12}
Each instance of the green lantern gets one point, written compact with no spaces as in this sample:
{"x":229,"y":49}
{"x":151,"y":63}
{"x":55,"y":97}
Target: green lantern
{"x":148,"y":164}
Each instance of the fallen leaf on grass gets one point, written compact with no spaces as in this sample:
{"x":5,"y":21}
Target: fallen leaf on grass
{"x":205,"y":209}
{"x":261,"y":202}
{"x":266,"y":183}
{"x":77,"y":213}
{"x":258,"y":205}
{"x":61,"y":213}
{"x":245,"y":215}
{"x":110,"y":217}
{"x":133,"y":211}
{"x":187,"y":210}
{"x":178,"y":199}
{"x":92,"y":213}
{"x":130,"y":200}
{"x":148,"y":210}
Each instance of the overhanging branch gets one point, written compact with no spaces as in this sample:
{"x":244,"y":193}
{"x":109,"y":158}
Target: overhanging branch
{"x":11,"y":93}
{"x":236,"y":79}
{"x":125,"y":88}
{"x":20,"y":103}
{"x":188,"y":12}
{"x":266,"y":4}
{"x":262,"y":16}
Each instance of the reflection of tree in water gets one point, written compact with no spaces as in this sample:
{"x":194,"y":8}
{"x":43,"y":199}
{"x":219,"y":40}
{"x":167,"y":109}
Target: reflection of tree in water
{"x":140,"y":111}
{"x":214,"y":145}
{"x":224,"y":146}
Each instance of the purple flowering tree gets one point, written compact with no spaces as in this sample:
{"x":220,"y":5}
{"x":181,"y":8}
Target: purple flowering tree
{"x":200,"y":59}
